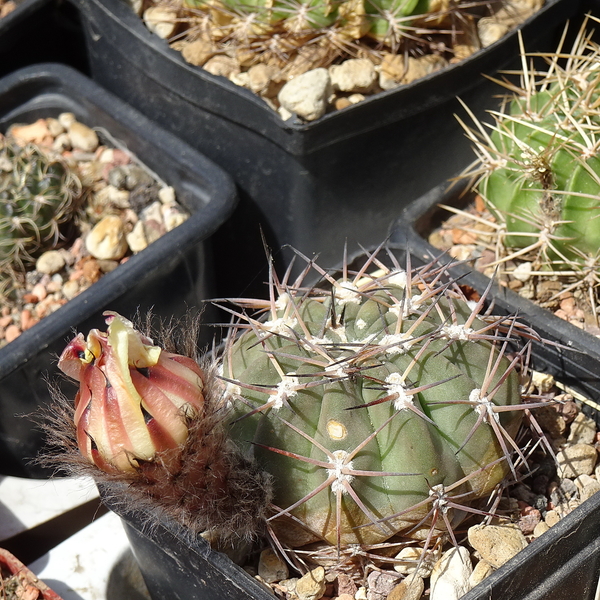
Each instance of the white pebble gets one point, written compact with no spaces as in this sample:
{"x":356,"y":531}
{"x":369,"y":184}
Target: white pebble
{"x":161,"y":21}
{"x":106,"y":240}
{"x":166,"y":195}
{"x":497,"y":543}
{"x":579,"y":459}
{"x":136,"y":239}
{"x":307,"y":94}
{"x":83,"y":137}
{"x":50,"y":262}
{"x":450,"y":575}
{"x":353,"y":75}
{"x":66,"y":119}
{"x":70,"y":289}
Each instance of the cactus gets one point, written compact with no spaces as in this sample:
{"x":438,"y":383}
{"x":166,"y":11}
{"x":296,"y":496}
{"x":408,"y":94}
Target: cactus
{"x":381,"y":404}
{"x":38,"y":195}
{"x":375,"y":404}
{"x":538,"y":169}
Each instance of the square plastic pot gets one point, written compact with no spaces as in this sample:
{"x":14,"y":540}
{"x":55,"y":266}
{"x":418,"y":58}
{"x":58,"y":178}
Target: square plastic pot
{"x":317,"y":185}
{"x":42,"y":31}
{"x":562,"y":564}
{"x":172,"y":274}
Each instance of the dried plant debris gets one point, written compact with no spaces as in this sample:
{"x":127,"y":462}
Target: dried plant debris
{"x":74,"y":205}
{"x":381,"y":433}
{"x":308,"y":58}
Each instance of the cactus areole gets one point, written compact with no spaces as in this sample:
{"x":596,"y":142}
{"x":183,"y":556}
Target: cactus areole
{"x":372,"y":404}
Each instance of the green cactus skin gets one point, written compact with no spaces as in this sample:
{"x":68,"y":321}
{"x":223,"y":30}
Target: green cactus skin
{"x":38,"y":194}
{"x":367,"y":401}
{"x":539,"y":169}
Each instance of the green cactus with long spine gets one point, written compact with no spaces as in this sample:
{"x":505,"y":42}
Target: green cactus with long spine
{"x":538,"y":169}
{"x":38,"y":194}
{"x":369,"y":402}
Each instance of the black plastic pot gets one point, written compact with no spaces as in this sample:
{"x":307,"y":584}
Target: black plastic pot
{"x":313,"y":185}
{"x":42,"y":31}
{"x":563,"y":564}
{"x":172,"y":274}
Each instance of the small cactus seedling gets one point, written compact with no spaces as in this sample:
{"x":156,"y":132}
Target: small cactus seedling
{"x":538,"y":166}
{"x":38,"y":195}
{"x":375,"y":404}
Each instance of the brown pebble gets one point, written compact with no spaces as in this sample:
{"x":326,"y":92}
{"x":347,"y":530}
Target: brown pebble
{"x":30,"y":299}
{"x":91,"y":269}
{"x":342,"y":103}
{"x":27,"y":319}
{"x":12,"y":333}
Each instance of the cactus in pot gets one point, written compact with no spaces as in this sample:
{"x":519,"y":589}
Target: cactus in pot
{"x":380,"y":404}
{"x":538,"y":168}
{"x":39,"y":195}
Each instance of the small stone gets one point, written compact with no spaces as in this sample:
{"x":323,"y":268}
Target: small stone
{"x":91,"y":269}
{"x":54,"y":127}
{"x":167,"y":195}
{"x":70,"y":289}
{"x":361,"y":593}
{"x":579,"y":459}
{"x":354,"y":75}
{"x":161,"y":20}
{"x":380,"y":584}
{"x":411,"y":588}
{"x":307,"y":94}
{"x":224,"y":66}
{"x":136,"y":238}
{"x":135,"y":177}
{"x":260,"y":77}
{"x":583,"y":430}
{"x":311,"y":586}
{"x":411,"y":556}
{"x":107,"y":239}
{"x":40,"y":291}
{"x":12,"y":333}
{"x":543,"y":382}
{"x":497,"y":543}
{"x":173,"y":217}
{"x":341,"y":103}
{"x":50,"y":262}
{"x":112,"y":196}
{"x":522,"y":272}
{"x":588,"y":486}
{"x":35,"y":132}
{"x":397,"y":70}
{"x":529,"y":521}
{"x":482,"y":570}
{"x":490,"y":31}
{"x":66,"y":119}
{"x":61,"y":142}
{"x":540,"y":529}
{"x":450,"y":575}
{"x":83,"y":137}
{"x":197,"y":52}
{"x":345,"y":597}
{"x":271,"y":567}
{"x":552,"y":518}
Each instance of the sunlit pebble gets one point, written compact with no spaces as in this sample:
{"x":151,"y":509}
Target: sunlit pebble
{"x":12,"y":333}
{"x":27,"y":319}
{"x":6,"y":321}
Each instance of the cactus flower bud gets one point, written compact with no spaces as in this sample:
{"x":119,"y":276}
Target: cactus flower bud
{"x":134,"y":398}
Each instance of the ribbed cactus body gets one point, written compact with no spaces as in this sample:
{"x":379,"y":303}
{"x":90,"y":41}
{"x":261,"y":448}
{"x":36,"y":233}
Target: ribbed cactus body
{"x":540,"y":169}
{"x":305,"y":386}
{"x":36,"y":197}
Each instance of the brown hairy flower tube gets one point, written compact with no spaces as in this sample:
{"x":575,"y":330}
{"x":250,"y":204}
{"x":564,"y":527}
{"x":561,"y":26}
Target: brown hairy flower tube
{"x":154,"y":420}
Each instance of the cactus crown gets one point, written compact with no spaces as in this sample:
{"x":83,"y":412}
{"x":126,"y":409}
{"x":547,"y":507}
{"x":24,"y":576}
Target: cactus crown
{"x":538,"y":165}
{"x":381,"y":404}
{"x":38,"y":194}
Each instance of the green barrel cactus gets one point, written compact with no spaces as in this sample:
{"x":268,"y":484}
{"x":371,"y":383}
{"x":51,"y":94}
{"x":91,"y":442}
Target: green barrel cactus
{"x":373,"y":404}
{"x":38,"y":194}
{"x":538,"y":169}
